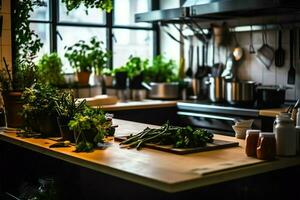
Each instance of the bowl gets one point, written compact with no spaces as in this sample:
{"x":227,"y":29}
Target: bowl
{"x":240,"y":132}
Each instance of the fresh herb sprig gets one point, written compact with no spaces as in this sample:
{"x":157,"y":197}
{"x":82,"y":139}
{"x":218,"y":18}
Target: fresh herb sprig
{"x":178,"y":137}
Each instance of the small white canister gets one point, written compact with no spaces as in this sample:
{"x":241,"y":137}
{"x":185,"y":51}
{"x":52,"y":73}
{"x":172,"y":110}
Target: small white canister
{"x":285,"y":134}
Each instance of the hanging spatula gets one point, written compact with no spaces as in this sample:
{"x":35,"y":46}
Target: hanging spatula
{"x":279,"y":53}
{"x":291,"y":72}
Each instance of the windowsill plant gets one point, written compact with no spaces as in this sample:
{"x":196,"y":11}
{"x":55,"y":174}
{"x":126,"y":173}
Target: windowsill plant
{"x":49,"y":70}
{"x":86,"y":57}
{"x":135,"y":68}
{"x":162,"y":71}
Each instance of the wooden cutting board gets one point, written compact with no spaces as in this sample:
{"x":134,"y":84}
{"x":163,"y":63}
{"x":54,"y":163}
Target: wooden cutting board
{"x":217,"y":144}
{"x":101,"y":100}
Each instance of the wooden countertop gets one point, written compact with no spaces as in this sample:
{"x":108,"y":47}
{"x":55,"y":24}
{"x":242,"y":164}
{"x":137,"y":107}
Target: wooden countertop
{"x":145,"y":104}
{"x":271,"y":112}
{"x":160,"y":170}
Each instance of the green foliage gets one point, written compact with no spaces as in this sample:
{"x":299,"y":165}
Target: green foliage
{"x":100,"y":4}
{"x":85,"y":57}
{"x":107,"y":72}
{"x":178,"y":137}
{"x":91,"y":127}
{"x":161,"y":70}
{"x":26,"y":42}
{"x":135,"y":66}
{"x":49,"y":70}
{"x":39,"y":100}
{"x":67,"y":106}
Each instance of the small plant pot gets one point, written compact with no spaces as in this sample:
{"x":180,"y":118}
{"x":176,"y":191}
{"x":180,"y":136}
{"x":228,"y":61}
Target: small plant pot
{"x":83,"y":78}
{"x":48,"y":126}
{"x":136,"y":82}
{"x":13,"y":106}
{"x":89,"y":136}
{"x":121,"y":80}
{"x":108,"y":80}
{"x":65,"y":131}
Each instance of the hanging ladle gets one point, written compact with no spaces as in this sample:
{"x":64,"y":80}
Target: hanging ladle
{"x":238,"y":51}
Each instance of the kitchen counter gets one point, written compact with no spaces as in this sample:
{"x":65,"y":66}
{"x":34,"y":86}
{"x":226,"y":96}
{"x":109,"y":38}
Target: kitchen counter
{"x":137,"y":105}
{"x":272,"y":112}
{"x":155,"y":169}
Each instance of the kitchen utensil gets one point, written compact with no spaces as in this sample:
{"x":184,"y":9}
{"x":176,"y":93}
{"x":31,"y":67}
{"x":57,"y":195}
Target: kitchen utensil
{"x":162,"y":90}
{"x":201,"y":70}
{"x":238,"y":51}
{"x":279,"y":53}
{"x":240,"y":92}
{"x":270,"y":96}
{"x":216,"y":89}
{"x":265,"y":53}
{"x":189,"y":72}
{"x":229,"y":72}
{"x":291,"y":72}
{"x":251,"y":47}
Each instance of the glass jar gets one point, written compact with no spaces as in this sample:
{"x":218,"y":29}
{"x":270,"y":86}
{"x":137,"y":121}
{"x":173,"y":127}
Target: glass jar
{"x":285,"y":134}
{"x":251,"y":142}
{"x":266,"y":146}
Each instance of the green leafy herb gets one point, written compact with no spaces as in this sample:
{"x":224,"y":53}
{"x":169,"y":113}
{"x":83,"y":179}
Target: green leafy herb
{"x":49,"y":70}
{"x":91,"y":126}
{"x":84,"y":57}
{"x":178,"y":137}
{"x":161,"y":70}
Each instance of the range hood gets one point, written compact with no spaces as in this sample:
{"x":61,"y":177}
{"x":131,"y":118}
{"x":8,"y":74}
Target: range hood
{"x":207,"y":10}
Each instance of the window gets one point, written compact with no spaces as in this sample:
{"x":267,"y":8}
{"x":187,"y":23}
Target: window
{"x":117,"y":30}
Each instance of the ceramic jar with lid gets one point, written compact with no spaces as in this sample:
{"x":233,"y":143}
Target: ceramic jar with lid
{"x":285,"y":134}
{"x":251,"y":142}
{"x":266,"y":146}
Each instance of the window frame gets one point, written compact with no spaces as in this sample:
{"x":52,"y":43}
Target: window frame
{"x":109,"y":18}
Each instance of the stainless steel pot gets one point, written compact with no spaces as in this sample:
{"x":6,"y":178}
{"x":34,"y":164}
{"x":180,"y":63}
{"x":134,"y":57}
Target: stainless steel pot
{"x":216,"y":89}
{"x":240,"y":92}
{"x":162,"y":90}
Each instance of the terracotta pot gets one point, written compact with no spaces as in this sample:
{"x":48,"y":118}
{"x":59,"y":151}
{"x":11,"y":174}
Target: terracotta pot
{"x":13,"y":106}
{"x":83,"y":77}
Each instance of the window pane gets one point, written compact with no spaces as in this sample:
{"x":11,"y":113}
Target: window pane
{"x":41,"y":12}
{"x":71,"y":35}
{"x":43,"y":32}
{"x":95,"y":16}
{"x":124,"y":11}
{"x":131,"y":42}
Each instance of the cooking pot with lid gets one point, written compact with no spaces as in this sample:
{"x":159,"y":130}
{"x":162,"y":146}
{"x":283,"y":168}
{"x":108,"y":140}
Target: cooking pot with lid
{"x":270,"y":96}
{"x":240,"y":92}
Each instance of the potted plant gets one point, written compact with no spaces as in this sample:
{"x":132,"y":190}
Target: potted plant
{"x":66,"y":107}
{"x":26,"y":45}
{"x":120,"y":77}
{"x":49,"y":70}
{"x":162,"y":76}
{"x":135,"y":68}
{"x":84,"y":57}
{"x":39,"y":110}
{"x":107,"y":77}
{"x":91,"y":126}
